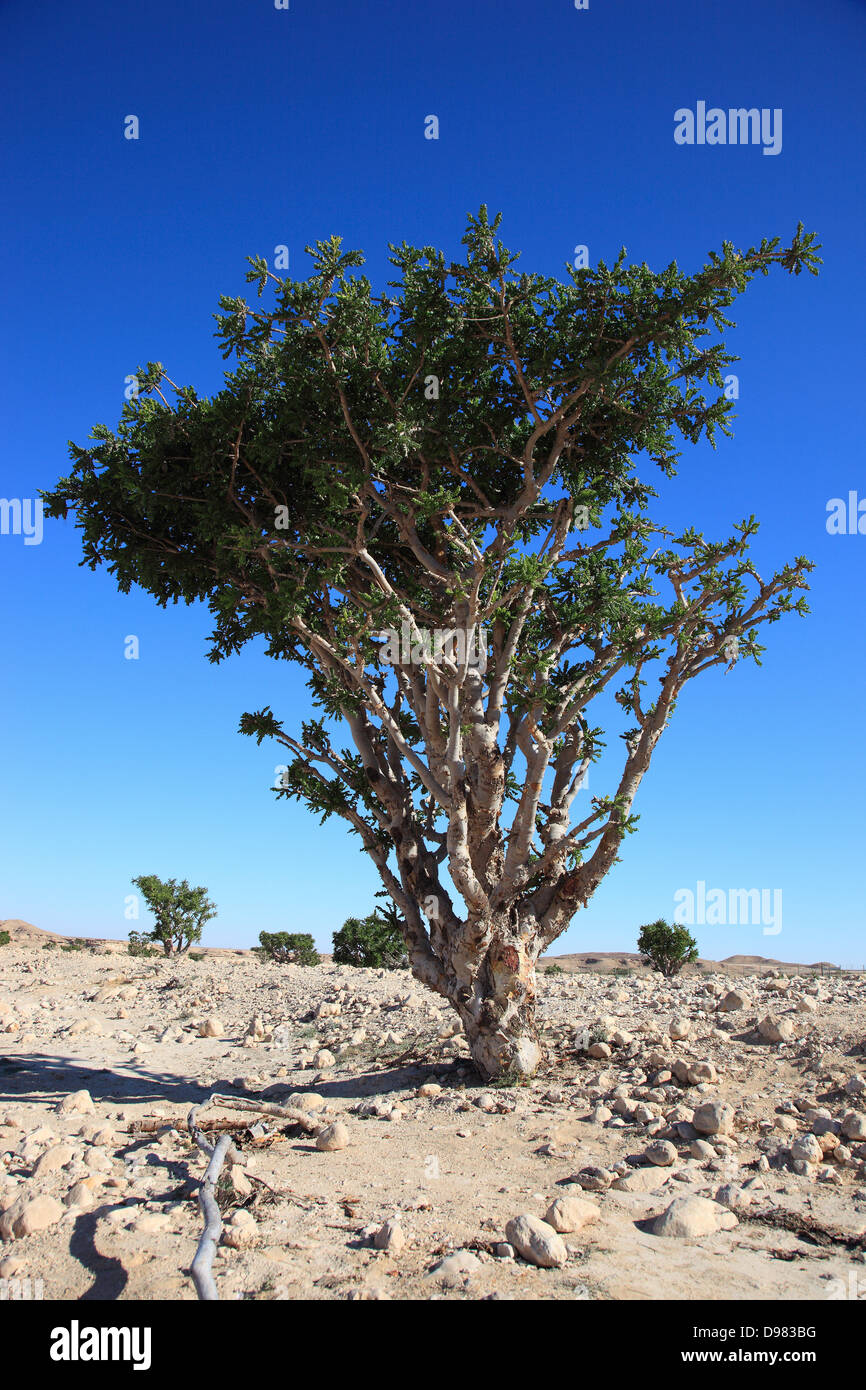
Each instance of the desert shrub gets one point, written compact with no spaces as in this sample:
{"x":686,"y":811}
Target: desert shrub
{"x":76,"y":944}
{"x":621,"y":971}
{"x":374,"y":942}
{"x":667,"y":948}
{"x":49,"y":946}
{"x":288,"y":948}
{"x":5,"y":938}
{"x":553,"y":970}
{"x":139,"y":945}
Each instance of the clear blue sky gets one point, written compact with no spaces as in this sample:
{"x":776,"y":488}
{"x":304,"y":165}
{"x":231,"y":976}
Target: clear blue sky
{"x":261,"y":127}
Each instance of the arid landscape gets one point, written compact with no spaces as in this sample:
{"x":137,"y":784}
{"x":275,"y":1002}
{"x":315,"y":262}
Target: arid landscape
{"x":703,"y":1137}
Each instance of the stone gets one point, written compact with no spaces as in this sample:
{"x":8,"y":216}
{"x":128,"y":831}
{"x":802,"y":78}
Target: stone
{"x":594,"y":1179}
{"x":702,"y":1071}
{"x":54,"y":1159}
{"x":713,"y":1117}
{"x":662,"y":1154}
{"x":455,"y":1268}
{"x":428,"y":1091}
{"x":806,"y":1148}
{"x":324,"y":1059}
{"x":640,"y":1180}
{"x":599,"y":1050}
{"x":806,"y":1006}
{"x":775,"y":1029}
{"x":390,"y":1236}
{"x":679,"y":1028}
{"x":567,"y":1214}
{"x":688,"y":1218}
{"x":700,"y":1149}
{"x":537,"y":1242}
{"x":211,"y":1028}
{"x":733,"y":1001}
{"x":854,"y":1125}
{"x":333,"y":1137}
{"x":76,"y":1103}
{"x":25,"y":1218}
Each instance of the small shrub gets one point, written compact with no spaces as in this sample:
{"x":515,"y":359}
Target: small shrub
{"x":553,"y":970}
{"x":76,"y":944}
{"x":139,"y":945}
{"x":622,"y":971}
{"x":5,"y":938}
{"x":374,"y":942}
{"x":49,"y":946}
{"x":667,"y":948}
{"x":288,"y":948}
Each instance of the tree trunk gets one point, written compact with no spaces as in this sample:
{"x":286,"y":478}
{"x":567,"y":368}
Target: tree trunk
{"x":499,"y":1015}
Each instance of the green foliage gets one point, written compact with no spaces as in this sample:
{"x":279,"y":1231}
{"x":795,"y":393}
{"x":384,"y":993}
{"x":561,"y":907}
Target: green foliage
{"x":76,"y":944}
{"x":667,"y":948}
{"x":621,"y":971}
{"x":139,"y":945}
{"x":288,"y":948}
{"x":180,"y":912}
{"x":553,"y":970}
{"x":49,"y":946}
{"x":375,"y":941}
{"x":5,"y":938}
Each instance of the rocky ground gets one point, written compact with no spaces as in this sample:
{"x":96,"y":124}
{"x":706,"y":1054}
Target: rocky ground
{"x":701,"y":1138}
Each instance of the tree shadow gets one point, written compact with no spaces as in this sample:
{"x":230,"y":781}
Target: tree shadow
{"x":39,"y":1077}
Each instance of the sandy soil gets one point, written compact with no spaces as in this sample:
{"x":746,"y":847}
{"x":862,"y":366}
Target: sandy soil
{"x":115,"y":1172}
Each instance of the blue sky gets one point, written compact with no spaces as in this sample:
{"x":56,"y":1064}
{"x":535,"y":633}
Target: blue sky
{"x":261,"y":127}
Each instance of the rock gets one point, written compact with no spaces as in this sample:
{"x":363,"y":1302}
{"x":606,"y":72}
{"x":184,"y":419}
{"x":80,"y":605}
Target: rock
{"x":307,"y":1100}
{"x":333,"y":1137}
{"x":688,"y":1218}
{"x":81,"y":1194}
{"x":806,"y":1149}
{"x":600,"y":1115}
{"x":76,"y":1103}
{"x":502,"y":1250}
{"x":856,"y":1085}
{"x":806,"y":1006}
{"x":151,"y":1221}
{"x":733,"y":1001}
{"x":599,"y":1050}
{"x":428,"y":1091}
{"x":594,"y":1179}
{"x":854,"y":1125}
{"x":536,"y":1241}
{"x":241,"y":1230}
{"x":324,"y":1059}
{"x":679,"y":1028}
{"x":211,"y":1028}
{"x":700,"y":1149}
{"x":640,"y":1180}
{"x":455,"y":1268}
{"x":54,"y":1159}
{"x":24,"y":1217}
{"x":701,"y":1071}
{"x":390,"y":1236}
{"x":568,"y":1214}
{"x":713,"y":1117}
{"x":775,"y":1029}
{"x":662,"y":1154}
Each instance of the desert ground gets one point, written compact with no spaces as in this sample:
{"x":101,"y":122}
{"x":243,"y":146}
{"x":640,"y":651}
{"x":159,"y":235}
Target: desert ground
{"x":703,"y":1137}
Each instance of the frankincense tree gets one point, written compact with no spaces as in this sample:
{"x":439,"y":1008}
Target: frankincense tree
{"x":458,"y":455}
